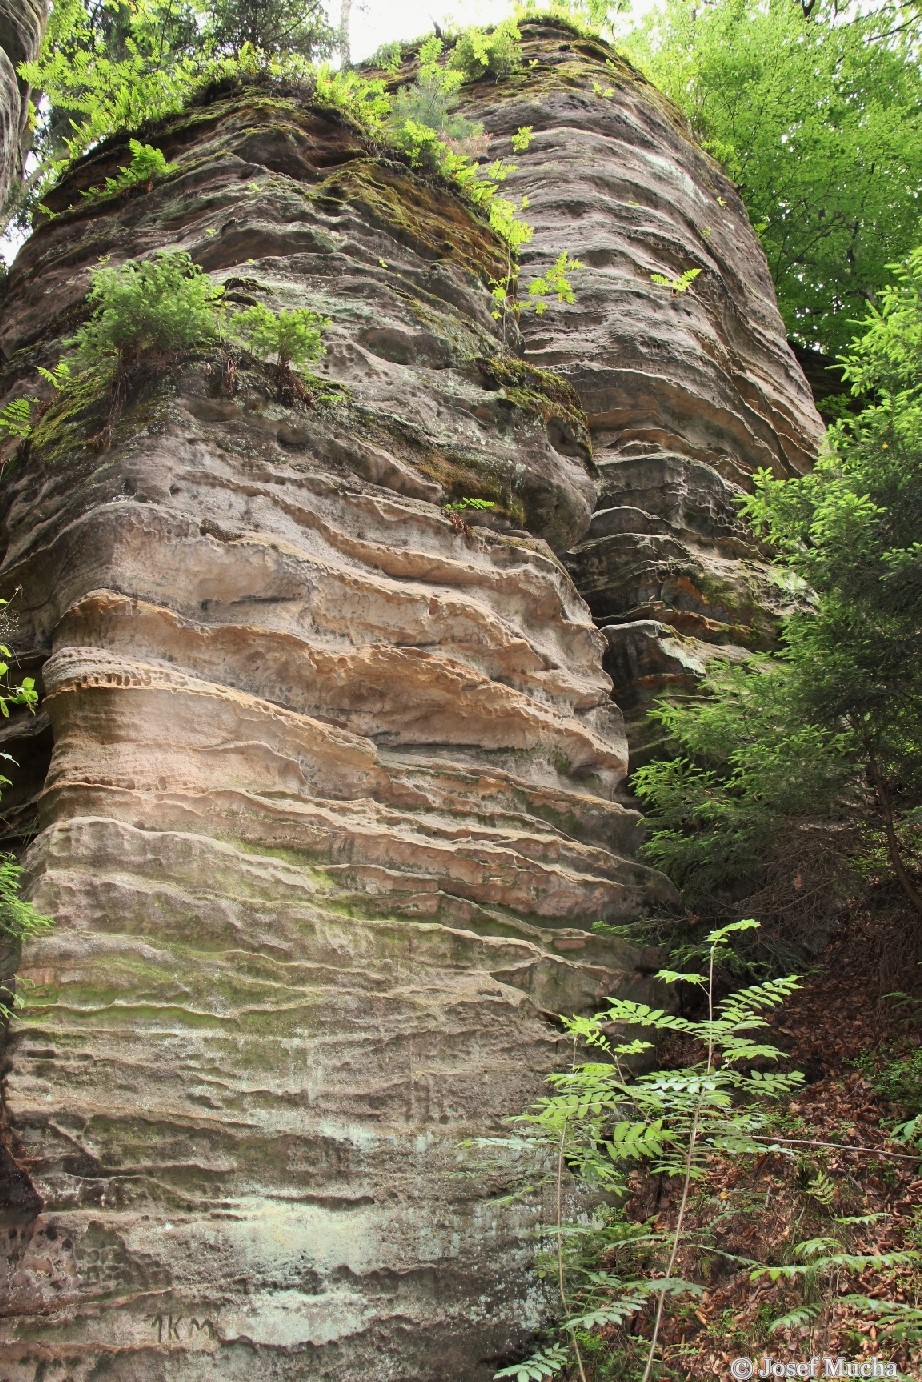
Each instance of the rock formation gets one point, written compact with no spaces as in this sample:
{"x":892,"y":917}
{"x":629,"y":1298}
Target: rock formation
{"x":686,"y":393}
{"x":21,"y":26}
{"x":335,"y":788}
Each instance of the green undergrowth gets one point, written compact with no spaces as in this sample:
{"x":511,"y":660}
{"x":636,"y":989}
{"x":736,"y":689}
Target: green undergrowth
{"x":148,"y":318}
{"x":360,"y":105}
{"x":740,"y":1209}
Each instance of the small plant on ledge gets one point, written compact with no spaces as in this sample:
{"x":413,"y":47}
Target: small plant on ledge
{"x":457,"y":509}
{"x":148,"y":312}
{"x":147,"y":164}
{"x":147,"y":316}
{"x":677,"y":285}
{"x":294,"y":337}
{"x":540,"y":292}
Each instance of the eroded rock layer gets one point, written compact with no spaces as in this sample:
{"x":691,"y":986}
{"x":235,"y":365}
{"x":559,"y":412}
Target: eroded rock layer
{"x":332,"y":803}
{"x":687,"y":393}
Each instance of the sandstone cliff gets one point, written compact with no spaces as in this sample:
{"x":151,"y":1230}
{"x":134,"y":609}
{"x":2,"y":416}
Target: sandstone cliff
{"x":21,"y":26}
{"x":335,"y":787}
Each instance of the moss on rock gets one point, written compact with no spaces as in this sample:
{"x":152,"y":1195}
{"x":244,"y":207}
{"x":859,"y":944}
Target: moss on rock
{"x":538,"y":391}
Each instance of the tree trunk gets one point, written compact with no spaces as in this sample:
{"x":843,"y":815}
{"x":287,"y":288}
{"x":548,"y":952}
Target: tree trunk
{"x":882,"y":796}
{"x":345,"y":13}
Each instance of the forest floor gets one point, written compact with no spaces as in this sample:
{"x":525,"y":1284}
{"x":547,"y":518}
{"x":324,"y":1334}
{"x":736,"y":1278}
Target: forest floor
{"x":844,"y":1185}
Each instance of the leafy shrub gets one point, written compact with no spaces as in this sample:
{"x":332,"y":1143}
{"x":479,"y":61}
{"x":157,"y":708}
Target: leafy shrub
{"x":494,"y":52}
{"x":365,"y":104}
{"x":539,"y":292}
{"x":293,"y":337}
{"x":553,"y":283}
{"x":429,"y":102}
{"x":157,"y":310}
{"x":160,"y":307}
{"x":459,"y":505}
{"x":147,"y":163}
{"x":388,"y":57}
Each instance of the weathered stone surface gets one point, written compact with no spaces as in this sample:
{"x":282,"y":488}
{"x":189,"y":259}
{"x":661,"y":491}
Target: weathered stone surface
{"x":686,"y":394}
{"x":333,"y":797}
{"x":21,"y":25}
{"x":335,"y":791}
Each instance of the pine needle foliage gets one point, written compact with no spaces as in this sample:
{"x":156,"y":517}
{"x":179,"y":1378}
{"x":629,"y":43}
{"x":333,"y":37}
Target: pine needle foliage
{"x":156,"y":308}
{"x":792,"y":769}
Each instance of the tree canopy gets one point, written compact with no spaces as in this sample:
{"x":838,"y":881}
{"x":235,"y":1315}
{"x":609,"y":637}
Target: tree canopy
{"x":817,"y":115}
{"x":109,"y":65}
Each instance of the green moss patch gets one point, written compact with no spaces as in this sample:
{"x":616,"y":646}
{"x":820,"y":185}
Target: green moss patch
{"x":421,"y":215}
{"x":538,"y":391}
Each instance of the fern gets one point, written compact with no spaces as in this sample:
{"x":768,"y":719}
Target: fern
{"x":818,"y":1263}
{"x":604,"y":1121}
{"x":147,"y":164}
{"x":822,"y":1189}
{"x":799,"y":1318}
{"x":16,"y":418}
{"x":677,"y":285}
{"x":58,"y":376}
{"x":545,"y":1364}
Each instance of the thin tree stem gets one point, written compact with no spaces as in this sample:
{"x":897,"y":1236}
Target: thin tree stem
{"x":837,"y":1147}
{"x":561,"y":1270}
{"x":686,"y":1184}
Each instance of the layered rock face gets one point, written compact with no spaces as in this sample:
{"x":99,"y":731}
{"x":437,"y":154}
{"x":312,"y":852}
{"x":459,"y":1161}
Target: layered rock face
{"x":687,"y":393}
{"x":332,"y":802}
{"x":335,"y":783}
{"x":21,"y":26}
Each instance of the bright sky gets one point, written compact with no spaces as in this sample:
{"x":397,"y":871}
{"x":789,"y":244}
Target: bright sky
{"x":381,"y":21}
